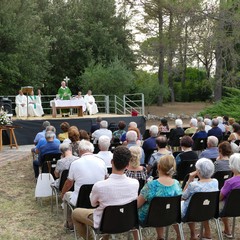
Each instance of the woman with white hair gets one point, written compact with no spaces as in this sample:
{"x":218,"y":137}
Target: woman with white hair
{"x":204,"y":170}
{"x":229,"y":185}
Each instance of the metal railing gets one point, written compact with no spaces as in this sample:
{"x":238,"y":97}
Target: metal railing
{"x":106,"y":103}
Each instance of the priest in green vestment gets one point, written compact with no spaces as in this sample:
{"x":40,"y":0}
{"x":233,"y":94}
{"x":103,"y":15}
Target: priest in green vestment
{"x":64,"y":94}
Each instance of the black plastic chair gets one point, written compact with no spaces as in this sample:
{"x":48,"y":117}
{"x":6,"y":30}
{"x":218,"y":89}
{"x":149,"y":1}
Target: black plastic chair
{"x":141,"y":185}
{"x":49,"y":163}
{"x":118,"y":219}
{"x":200,"y":144}
{"x":164,"y":212}
{"x":222,"y":176}
{"x":231,"y":207}
{"x":176,"y":153}
{"x":204,"y":206}
{"x":185,"y":167}
{"x":56,"y":191}
{"x":166,"y":134}
{"x":148,"y":154}
{"x":83,"y":200}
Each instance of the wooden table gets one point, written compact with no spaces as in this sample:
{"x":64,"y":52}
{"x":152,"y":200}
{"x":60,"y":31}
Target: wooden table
{"x":66,"y":104}
{"x":13,"y":139}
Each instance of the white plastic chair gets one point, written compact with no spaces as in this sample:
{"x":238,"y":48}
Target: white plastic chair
{"x":43,"y":187}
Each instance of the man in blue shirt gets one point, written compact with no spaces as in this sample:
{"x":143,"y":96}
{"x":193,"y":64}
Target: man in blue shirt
{"x":212,"y":149}
{"x":50,"y":146}
{"x":42,"y":133}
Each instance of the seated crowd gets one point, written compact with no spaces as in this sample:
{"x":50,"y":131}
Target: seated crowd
{"x":140,"y":169}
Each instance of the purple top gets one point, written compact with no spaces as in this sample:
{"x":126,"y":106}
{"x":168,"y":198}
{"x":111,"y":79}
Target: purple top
{"x":230,"y":184}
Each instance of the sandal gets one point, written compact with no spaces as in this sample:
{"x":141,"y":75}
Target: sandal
{"x":227,"y":235}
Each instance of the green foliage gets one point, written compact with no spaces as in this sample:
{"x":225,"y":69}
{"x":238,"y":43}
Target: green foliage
{"x":197,"y":87}
{"x":112,"y":79}
{"x":147,"y":84}
{"x":229,"y":105}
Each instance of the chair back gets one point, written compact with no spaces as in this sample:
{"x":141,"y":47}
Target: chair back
{"x":185,"y":167}
{"x":43,"y":187}
{"x":49,"y":162}
{"x":83,"y":200}
{"x":203,"y":206}
{"x":63,"y":179}
{"x":231,"y":207}
{"x":222,"y":176}
{"x":148,"y":154}
{"x":141,"y":185}
{"x":119,"y":219}
{"x":200,"y":144}
{"x":166,"y":134}
{"x":169,"y":210}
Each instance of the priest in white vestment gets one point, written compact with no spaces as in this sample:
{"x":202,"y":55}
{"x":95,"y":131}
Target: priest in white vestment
{"x":90,"y":103}
{"x":35,"y":105}
{"x":21,"y":105}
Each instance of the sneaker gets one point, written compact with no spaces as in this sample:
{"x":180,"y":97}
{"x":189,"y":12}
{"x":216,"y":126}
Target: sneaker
{"x":227,"y":235}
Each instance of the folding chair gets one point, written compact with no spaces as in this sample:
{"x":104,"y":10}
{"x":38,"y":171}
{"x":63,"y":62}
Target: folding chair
{"x":203,"y":206}
{"x":141,"y":185}
{"x":231,"y":208}
{"x":118,"y":219}
{"x":148,"y":154}
{"x":56,"y":191}
{"x":200,"y":144}
{"x":222,"y":176}
{"x":164,"y":212}
{"x":185,"y":167}
{"x":49,"y":163}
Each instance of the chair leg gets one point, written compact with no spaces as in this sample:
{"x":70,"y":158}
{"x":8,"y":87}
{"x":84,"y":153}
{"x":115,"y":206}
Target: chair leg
{"x":217,"y":223}
{"x":233,"y":226}
{"x":166,"y":232}
{"x":201,"y":231}
{"x":180,"y":226}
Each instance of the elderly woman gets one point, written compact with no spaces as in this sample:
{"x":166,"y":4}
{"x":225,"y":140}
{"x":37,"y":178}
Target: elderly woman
{"x":230,"y":184}
{"x":161,"y":142}
{"x":134,"y":170}
{"x":73,"y":135}
{"x":164,"y":186}
{"x":65,"y":162}
{"x":201,"y":133}
{"x":64,"y":135}
{"x":222,"y":162}
{"x":204,"y":170}
{"x":186,"y":144}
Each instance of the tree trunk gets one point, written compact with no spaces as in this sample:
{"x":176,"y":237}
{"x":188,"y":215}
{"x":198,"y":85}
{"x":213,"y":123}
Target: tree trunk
{"x":170,"y":58}
{"x":161,"y":55}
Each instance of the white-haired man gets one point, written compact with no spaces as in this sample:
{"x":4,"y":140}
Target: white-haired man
{"x":193,"y":127}
{"x":208,"y":123}
{"x":104,"y":144}
{"x":88,"y":169}
{"x":103,"y":130}
{"x":212,"y":148}
{"x":150,"y":143}
{"x":131,"y":138}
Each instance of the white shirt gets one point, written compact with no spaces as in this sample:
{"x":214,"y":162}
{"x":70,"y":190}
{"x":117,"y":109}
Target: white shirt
{"x":116,"y":190}
{"x":106,"y":156}
{"x":86,"y":170}
{"x":100,"y":132}
{"x":207,"y":128}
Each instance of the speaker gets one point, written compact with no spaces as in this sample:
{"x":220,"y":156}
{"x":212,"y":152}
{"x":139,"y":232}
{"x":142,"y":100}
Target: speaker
{"x":6,"y":104}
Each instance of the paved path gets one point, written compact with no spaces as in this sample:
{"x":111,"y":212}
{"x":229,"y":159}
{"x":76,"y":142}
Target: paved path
{"x":7,"y":154}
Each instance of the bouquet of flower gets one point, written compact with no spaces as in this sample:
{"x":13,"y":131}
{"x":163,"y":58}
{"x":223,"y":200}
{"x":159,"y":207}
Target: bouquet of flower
{"x":4,"y":118}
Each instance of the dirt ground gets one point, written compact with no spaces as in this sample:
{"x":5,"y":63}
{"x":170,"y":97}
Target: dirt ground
{"x":171,"y":111}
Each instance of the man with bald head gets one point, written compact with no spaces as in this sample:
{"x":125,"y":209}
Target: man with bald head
{"x":212,"y":148}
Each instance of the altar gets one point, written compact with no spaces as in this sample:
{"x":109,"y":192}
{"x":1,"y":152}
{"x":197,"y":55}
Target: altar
{"x":79,"y":104}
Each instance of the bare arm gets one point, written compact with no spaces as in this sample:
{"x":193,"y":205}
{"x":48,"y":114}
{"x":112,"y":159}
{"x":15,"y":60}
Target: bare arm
{"x":140,"y":201}
{"x":67,"y":185}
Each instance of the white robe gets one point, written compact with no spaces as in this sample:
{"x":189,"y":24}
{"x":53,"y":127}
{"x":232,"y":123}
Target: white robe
{"x":90,"y":104}
{"x":21,"y":111}
{"x":35,"y":106}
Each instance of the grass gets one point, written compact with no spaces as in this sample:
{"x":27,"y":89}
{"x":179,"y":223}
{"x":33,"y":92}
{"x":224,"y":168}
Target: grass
{"x":22,"y":217}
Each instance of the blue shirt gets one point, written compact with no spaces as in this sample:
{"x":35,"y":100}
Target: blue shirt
{"x":215,"y":131}
{"x":200,"y":134}
{"x":49,"y":147}
{"x":43,"y":142}
{"x":149,"y":144}
{"x":39,"y":136}
{"x":210,"y":153}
